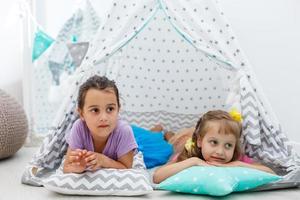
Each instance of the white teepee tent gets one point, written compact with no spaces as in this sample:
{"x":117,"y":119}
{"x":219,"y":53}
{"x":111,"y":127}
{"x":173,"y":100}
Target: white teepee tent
{"x":49,"y":77}
{"x":173,"y":61}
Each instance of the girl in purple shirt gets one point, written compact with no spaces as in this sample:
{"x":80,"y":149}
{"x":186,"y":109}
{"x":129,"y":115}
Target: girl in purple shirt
{"x":99,"y":139}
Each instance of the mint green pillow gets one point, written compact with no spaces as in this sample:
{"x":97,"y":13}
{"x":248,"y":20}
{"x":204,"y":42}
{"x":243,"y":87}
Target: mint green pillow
{"x":216,"y":181}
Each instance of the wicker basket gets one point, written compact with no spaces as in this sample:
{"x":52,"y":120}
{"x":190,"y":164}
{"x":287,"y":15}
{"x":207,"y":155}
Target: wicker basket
{"x":13,"y":125}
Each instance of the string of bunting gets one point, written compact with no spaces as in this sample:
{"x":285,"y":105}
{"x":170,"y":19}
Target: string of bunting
{"x":42,"y":41}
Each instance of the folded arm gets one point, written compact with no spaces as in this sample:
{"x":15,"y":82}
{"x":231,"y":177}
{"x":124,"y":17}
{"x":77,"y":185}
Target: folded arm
{"x":98,"y":160}
{"x":74,"y":162}
{"x":257,"y":166}
{"x":78,"y":161}
{"x":170,"y":169}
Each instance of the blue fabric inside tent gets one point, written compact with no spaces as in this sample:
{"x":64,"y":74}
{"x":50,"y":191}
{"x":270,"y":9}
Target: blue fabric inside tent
{"x":155,"y":149}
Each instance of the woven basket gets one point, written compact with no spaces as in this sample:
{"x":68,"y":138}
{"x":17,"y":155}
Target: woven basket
{"x":13,"y":125}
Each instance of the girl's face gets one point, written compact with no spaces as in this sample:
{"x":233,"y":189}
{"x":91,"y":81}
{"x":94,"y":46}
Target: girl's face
{"x":217,"y":146}
{"x":100,"y":112}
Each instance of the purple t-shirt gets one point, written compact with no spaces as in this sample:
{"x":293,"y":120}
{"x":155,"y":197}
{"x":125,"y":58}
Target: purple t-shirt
{"x":119,"y":142}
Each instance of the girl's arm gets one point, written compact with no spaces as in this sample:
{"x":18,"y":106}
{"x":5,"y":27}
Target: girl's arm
{"x":260,"y":167}
{"x":170,"y":169}
{"x":74,"y":162}
{"x":98,"y":160}
{"x":257,"y":166}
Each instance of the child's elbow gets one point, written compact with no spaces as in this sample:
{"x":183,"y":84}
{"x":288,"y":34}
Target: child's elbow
{"x":156,"y":178}
{"x":269,"y":170}
{"x":126,"y":165}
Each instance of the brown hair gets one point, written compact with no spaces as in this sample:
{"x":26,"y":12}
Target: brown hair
{"x":228,"y":124}
{"x":96,"y":82}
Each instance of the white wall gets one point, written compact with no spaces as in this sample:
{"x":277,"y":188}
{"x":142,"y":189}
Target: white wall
{"x":54,"y":22}
{"x":268,"y":31}
{"x":10,"y":50}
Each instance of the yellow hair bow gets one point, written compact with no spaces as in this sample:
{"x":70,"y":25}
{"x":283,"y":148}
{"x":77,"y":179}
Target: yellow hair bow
{"x":189,"y":144}
{"x":236,"y":115}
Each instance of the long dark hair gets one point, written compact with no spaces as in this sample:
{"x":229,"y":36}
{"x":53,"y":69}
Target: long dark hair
{"x":228,"y":124}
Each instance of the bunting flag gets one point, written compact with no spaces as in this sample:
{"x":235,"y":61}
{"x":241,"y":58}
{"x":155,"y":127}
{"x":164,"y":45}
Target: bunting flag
{"x":56,"y":69}
{"x":78,"y":51}
{"x":74,"y":38}
{"x":41,"y":43}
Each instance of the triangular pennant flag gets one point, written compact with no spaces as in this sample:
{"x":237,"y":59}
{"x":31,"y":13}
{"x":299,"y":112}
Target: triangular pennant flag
{"x":41,"y":42}
{"x":74,"y":38}
{"x":56,"y":70}
{"x":78,"y":51}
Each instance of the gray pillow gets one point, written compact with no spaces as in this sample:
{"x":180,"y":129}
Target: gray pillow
{"x":120,"y":182}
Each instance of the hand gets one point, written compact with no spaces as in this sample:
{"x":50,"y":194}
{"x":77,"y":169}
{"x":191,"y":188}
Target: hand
{"x":94,"y":160}
{"x":230,"y":164}
{"x":76,"y":160}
